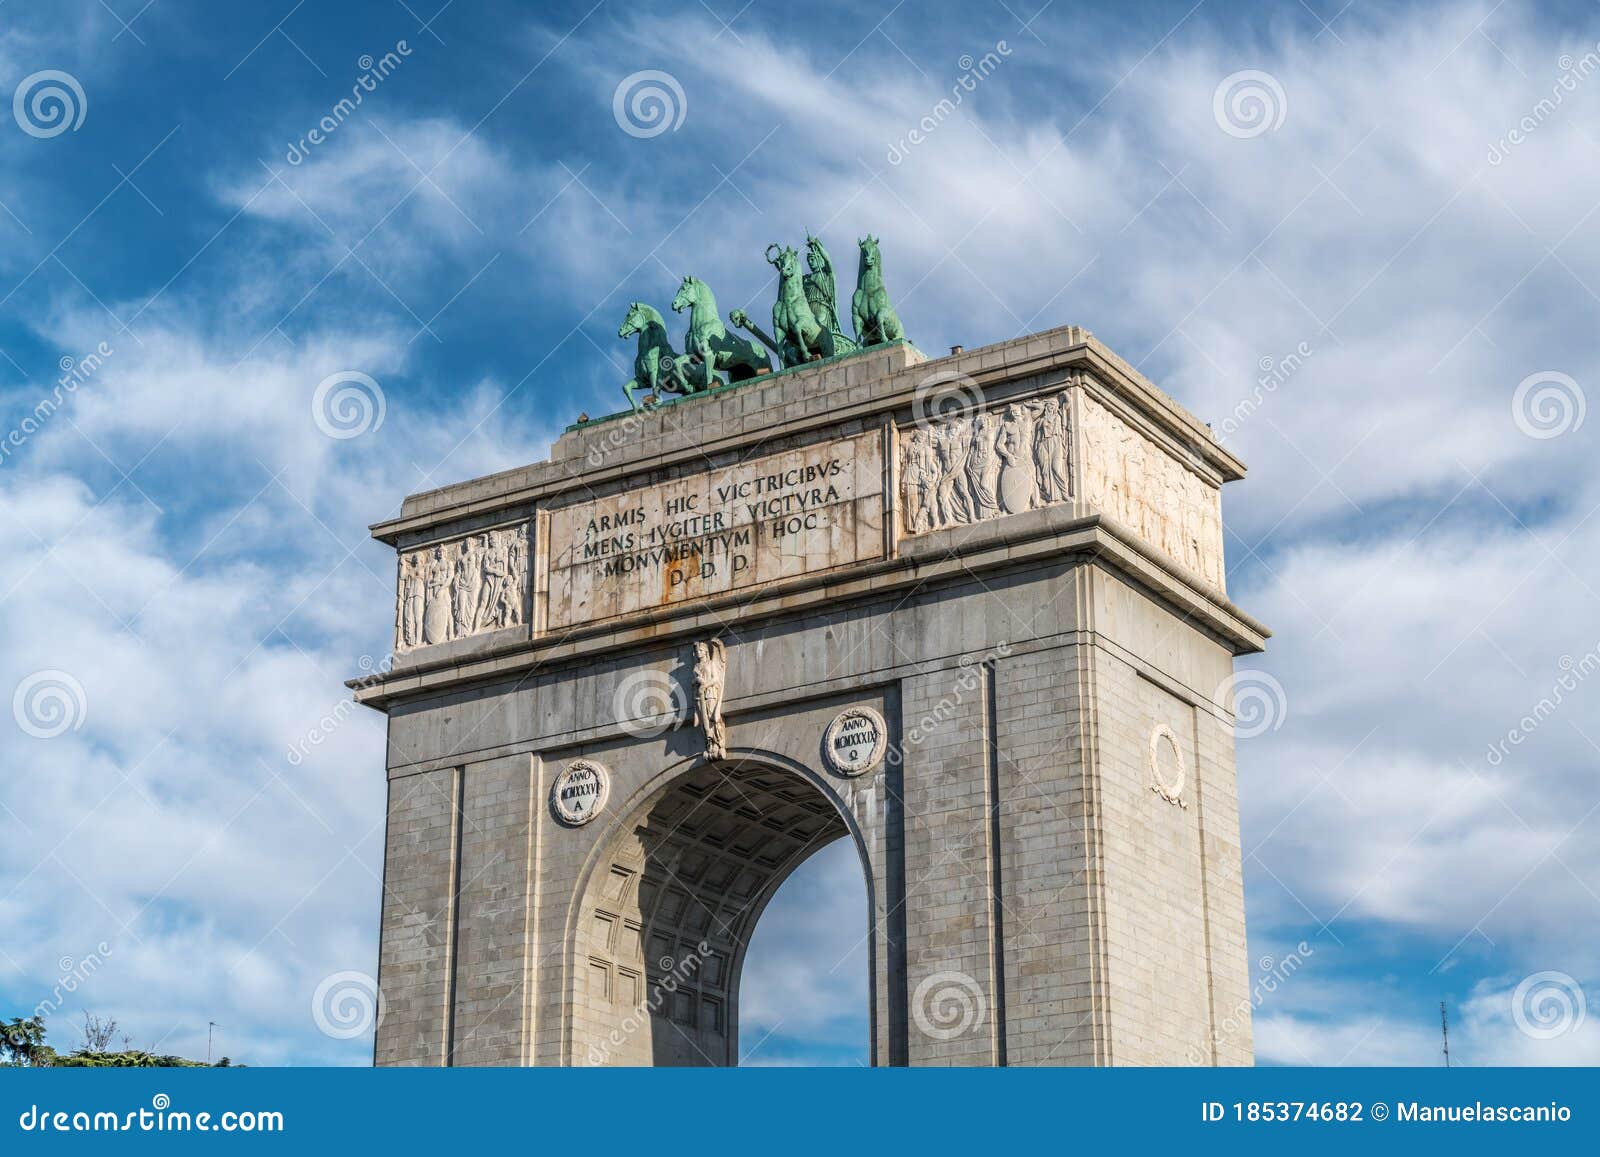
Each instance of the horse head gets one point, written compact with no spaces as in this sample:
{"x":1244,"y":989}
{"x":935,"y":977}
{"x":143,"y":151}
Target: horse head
{"x":687,"y":292}
{"x":870,"y":257}
{"x":638,"y":319}
{"x":787,"y":260}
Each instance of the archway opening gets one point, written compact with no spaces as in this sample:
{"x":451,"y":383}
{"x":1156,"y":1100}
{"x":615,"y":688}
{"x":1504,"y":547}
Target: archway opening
{"x":669,"y":912}
{"x":803,"y":999}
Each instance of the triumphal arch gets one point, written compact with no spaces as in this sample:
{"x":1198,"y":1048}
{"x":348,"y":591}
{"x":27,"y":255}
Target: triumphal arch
{"x":966,"y":613}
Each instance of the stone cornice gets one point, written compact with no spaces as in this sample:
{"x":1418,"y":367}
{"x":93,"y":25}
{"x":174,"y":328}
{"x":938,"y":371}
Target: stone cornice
{"x":1021,"y":542}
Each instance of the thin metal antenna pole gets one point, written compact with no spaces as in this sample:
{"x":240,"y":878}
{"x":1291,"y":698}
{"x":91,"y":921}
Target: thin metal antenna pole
{"x":1444,"y":1030}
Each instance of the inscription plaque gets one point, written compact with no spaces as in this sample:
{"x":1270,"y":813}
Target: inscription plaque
{"x":856,"y":741}
{"x":775,"y":517}
{"x":580,"y":791}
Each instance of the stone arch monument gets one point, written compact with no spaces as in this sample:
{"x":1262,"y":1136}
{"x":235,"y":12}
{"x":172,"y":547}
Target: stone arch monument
{"x":968,"y":614}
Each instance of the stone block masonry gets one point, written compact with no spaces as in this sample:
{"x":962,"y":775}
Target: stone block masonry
{"x":1019,"y":610}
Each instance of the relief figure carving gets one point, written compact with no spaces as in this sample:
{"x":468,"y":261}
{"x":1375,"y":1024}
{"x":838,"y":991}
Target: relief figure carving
{"x":983,"y":467}
{"x":492,"y":584}
{"x":511,"y":593}
{"x":411,"y":601}
{"x":1152,"y":493}
{"x":919,"y":477}
{"x":1050,"y":451}
{"x":436,"y":615}
{"x":953,"y":501}
{"x":972,"y":467}
{"x":467,"y":580}
{"x":996,"y":462}
{"x":1015,"y":448}
{"x":457,"y":589}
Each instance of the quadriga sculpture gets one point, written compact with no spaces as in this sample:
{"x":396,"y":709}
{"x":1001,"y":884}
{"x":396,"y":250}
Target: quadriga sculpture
{"x":708,"y":346}
{"x":801,"y":337}
{"x":875,"y":319}
{"x":805,"y":325}
{"x":655,"y":365}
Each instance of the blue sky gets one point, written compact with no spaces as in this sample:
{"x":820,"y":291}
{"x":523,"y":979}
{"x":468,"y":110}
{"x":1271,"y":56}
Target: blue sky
{"x":188,"y":546}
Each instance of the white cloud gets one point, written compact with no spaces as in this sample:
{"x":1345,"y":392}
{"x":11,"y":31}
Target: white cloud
{"x":210,"y":606}
{"x":805,"y":973}
{"x":1553,"y":1027}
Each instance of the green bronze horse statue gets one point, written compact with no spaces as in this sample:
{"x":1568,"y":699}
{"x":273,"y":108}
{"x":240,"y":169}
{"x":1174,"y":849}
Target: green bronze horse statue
{"x":655,"y":366}
{"x":875,"y":319}
{"x":708,"y":346}
{"x":800,"y":336}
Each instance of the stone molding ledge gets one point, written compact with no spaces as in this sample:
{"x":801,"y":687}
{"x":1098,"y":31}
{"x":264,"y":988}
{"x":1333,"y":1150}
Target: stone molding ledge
{"x":1040,"y":536}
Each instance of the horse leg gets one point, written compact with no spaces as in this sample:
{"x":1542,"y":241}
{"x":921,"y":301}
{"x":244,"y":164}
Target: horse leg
{"x":706,"y":373}
{"x":674,"y":379}
{"x":694,"y":368}
{"x":628,"y":387}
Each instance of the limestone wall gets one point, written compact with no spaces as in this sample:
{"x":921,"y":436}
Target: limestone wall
{"x":1051,"y":844}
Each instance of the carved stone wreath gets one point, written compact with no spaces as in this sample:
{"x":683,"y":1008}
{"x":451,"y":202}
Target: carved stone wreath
{"x":1169,"y":790}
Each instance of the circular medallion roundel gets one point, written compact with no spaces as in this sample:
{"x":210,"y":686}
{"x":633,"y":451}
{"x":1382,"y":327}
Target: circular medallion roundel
{"x":580,"y":791}
{"x":855,"y":741}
